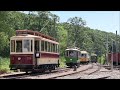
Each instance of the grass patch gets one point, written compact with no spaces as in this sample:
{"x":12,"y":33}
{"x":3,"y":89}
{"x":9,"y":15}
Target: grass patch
{"x":4,"y":65}
{"x":101,"y":59}
{"x":62,"y":62}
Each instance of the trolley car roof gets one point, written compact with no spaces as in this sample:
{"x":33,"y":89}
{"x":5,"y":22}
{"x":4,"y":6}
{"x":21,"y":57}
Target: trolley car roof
{"x":33,"y":36}
{"x":93,"y":54}
{"x":22,"y":36}
{"x":73,"y":49}
{"x":84,"y":52}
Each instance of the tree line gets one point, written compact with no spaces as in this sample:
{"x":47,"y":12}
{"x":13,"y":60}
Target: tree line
{"x":71,"y":33}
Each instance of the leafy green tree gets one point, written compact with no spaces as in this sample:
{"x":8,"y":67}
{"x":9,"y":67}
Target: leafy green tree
{"x":75,"y":24}
{"x":4,"y":44}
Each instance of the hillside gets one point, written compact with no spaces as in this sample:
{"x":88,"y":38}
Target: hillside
{"x":72,"y":33}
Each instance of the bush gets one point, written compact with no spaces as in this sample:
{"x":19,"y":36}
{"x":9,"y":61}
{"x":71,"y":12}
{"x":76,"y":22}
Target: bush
{"x":4,"y":65}
{"x":62,"y":61}
{"x":101,"y":59}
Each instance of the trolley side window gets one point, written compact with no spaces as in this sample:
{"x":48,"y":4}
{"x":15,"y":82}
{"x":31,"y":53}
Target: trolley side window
{"x":57,"y":48}
{"x":48,"y":49}
{"x":19,"y":46}
{"x":31,"y":45}
{"x":12,"y":45}
{"x":42,"y":45}
{"x":67,"y":53}
{"x":26,"y":46}
{"x":45,"y":46}
{"x":53,"y":47}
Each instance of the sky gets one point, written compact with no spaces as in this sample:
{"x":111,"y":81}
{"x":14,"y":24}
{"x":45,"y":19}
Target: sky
{"x":102,"y":20}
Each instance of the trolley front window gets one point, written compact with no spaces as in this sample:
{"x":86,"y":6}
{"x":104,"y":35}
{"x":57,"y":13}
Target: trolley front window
{"x":22,"y":45}
{"x":19,"y":46}
{"x":42,"y":45}
{"x":83,"y":55}
{"x":72,"y":53}
{"x":26,"y":46}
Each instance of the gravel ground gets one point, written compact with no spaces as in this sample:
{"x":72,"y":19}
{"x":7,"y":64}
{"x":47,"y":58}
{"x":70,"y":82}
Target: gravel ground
{"x":102,"y":72}
{"x":115,"y":74}
{"x":80,"y":74}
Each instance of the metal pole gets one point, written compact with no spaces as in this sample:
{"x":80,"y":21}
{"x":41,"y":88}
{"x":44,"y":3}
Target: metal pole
{"x":112,"y":57}
{"x":100,"y":58}
{"x":116,"y":50}
{"x":107,"y":50}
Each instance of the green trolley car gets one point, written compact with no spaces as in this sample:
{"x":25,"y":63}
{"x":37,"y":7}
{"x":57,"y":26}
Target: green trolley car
{"x":72,"y":56}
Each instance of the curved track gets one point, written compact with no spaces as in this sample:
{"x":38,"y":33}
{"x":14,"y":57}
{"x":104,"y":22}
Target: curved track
{"x":23,"y":75}
{"x":83,"y":72}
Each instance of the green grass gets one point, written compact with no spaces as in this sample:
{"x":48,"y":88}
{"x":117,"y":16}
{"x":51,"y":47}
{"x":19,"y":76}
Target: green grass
{"x":62,"y":62}
{"x":4,"y":65}
{"x":101,"y":59}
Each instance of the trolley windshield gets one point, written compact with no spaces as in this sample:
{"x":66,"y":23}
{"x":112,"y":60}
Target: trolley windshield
{"x":71,"y":53}
{"x":19,"y":46}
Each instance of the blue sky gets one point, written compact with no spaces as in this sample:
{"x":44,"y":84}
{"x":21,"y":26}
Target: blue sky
{"x":102,"y":20}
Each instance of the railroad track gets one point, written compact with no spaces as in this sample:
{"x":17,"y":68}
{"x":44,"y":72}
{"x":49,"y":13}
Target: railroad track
{"x":78,"y":75}
{"x":58,"y":73}
{"x":95,"y":77}
{"x":21,"y":75}
{"x":81,"y":69}
{"x":114,"y":67}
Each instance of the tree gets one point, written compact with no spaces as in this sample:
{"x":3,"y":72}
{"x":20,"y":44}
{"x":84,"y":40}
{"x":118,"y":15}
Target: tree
{"x":76,"y":24}
{"x":4,"y":44}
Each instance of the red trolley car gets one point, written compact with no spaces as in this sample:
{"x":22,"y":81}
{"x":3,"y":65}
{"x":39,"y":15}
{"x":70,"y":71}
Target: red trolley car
{"x":31,"y":50}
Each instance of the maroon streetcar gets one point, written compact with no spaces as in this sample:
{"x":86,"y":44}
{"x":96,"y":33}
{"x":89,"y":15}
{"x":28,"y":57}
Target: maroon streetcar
{"x":115,"y":57}
{"x":31,"y":50}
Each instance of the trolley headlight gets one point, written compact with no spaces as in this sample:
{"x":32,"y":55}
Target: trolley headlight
{"x":37,"y":55}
